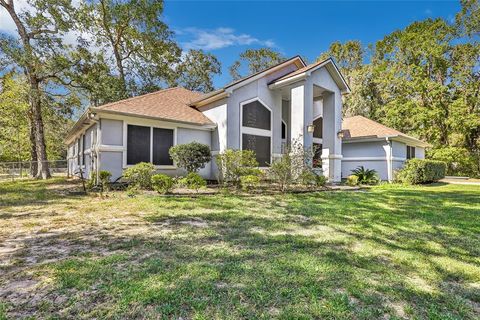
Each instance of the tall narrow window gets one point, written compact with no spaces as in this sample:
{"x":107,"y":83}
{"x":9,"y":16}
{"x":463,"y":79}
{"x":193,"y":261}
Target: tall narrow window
{"x":162,"y":142}
{"x":256,"y":131}
{"x":78,"y":151}
{"x":410,"y":152}
{"x":138,"y":144}
{"x":284,"y":131}
{"x":317,"y":156}
{"x":83,"y":149}
{"x":318,"y":130}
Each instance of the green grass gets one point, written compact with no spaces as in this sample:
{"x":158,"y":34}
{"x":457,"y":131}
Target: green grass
{"x":389,"y":252}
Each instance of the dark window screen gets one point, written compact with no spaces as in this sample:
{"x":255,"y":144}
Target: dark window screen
{"x":284,"y":130}
{"x":410,"y":152}
{"x":317,"y":132}
{"x":83,"y":149}
{"x":317,"y":156}
{"x":138,"y":144}
{"x":261,"y":146}
{"x":162,"y":141}
{"x":78,"y":151}
{"x":255,"y":115}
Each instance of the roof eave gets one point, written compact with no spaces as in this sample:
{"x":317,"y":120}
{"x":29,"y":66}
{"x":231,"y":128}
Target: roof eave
{"x":207,"y":125}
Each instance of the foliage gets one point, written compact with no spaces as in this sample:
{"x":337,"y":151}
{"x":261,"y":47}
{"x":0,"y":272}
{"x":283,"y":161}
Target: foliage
{"x":162,"y":183}
{"x":256,"y":60}
{"x":352,"y":180}
{"x":320,"y":180}
{"x":140,"y":175}
{"x":459,"y":161}
{"x":281,"y":171}
{"x":135,"y":41}
{"x":234,"y":164}
{"x":249,"y":182}
{"x":366,"y":176}
{"x":104,"y":177}
{"x":308,"y":178}
{"x":196,"y":70}
{"x":418,"y":171}
{"x":191,"y":156}
{"x":193,"y":181}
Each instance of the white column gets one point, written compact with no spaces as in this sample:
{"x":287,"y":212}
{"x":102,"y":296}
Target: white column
{"x":301,"y":114}
{"x":332,"y":144}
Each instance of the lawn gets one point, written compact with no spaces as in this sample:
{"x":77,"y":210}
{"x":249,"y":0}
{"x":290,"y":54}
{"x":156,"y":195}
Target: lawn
{"x":390,"y":252}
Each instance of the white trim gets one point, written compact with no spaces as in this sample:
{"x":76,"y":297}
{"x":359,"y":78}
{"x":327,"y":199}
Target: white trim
{"x":256,"y":131}
{"x":114,"y":148}
{"x":333,"y":156}
{"x":317,"y":140}
{"x":371,"y":159}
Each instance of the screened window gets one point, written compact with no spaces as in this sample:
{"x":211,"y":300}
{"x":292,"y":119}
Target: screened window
{"x":317,"y":156}
{"x":260,"y":145}
{"x":256,"y":115}
{"x":83,"y":149}
{"x":162,"y":142}
{"x":318,"y":123}
{"x":410,"y":152}
{"x":138,"y":144}
{"x":284,"y":131}
{"x":78,"y":151}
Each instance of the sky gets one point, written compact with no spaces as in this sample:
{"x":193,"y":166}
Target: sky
{"x":227,"y":28}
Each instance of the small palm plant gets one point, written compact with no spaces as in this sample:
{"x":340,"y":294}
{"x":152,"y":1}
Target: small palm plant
{"x":366,"y":176}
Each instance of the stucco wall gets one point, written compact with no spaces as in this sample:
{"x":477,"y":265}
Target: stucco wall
{"x":364,"y":149}
{"x":217,"y":112}
{"x":112,"y":132}
{"x":380,"y":166}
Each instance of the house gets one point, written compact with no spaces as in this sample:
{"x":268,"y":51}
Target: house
{"x":264,"y":112}
{"x":372,"y":145}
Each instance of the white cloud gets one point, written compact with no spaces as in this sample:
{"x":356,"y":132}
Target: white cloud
{"x":6,"y":23}
{"x":218,"y":38}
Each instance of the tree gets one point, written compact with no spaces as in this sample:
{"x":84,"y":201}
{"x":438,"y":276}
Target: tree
{"x":134,"y":41}
{"x":468,"y":19}
{"x":196,"y":70}
{"x":256,"y":60}
{"x":191,"y":156}
{"x":41,"y":55}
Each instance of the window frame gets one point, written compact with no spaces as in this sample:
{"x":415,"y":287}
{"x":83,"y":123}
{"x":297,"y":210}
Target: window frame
{"x":151,"y":126}
{"x":410,"y":154}
{"x":314,"y":139}
{"x":256,"y":131}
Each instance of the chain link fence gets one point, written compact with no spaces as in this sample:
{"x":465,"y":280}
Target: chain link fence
{"x":21,"y":169}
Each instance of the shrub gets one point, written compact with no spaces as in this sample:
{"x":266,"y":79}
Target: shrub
{"x":191,"y":156}
{"x":366,"y":176}
{"x":418,"y":171}
{"x":193,"y":181}
{"x":281,"y":171}
{"x":352,"y":180}
{"x":459,"y":161}
{"x":233,"y":164}
{"x":104,"y":177}
{"x":162,"y":183}
{"x":140,"y":175}
{"x":308,"y":178}
{"x":249,"y":182}
{"x":320,"y":180}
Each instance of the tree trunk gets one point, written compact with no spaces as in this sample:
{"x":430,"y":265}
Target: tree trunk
{"x":43,"y":171}
{"x":33,"y":150}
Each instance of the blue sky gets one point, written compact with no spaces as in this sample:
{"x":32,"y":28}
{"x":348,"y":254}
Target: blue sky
{"x":226,"y":28}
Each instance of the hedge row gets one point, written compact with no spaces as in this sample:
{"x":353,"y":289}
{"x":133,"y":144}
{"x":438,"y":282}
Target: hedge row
{"x":418,"y":171}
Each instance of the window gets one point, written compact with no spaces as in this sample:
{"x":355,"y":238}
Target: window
{"x":318,"y":123}
{"x":256,"y":131}
{"x":83,"y":149}
{"x":255,"y":115}
{"x":162,"y":142}
{"x":410,"y":152}
{"x":317,"y":157}
{"x":284,"y":130}
{"x":141,"y":140}
{"x":260,"y":145}
{"x":138,"y":144}
{"x":78,"y":151}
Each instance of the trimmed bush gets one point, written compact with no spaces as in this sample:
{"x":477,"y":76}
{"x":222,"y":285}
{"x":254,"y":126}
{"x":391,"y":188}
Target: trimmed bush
{"x":352,"y":180}
{"x":104,"y":179}
{"x":320,"y":180}
{"x":233,"y":164}
{"x":366,"y":176}
{"x":162,"y":183}
{"x":191,"y":156}
{"x":307,"y":178}
{"x":418,"y":171}
{"x":249,"y":182}
{"x":281,"y":172}
{"x":140,"y":175}
{"x":193,"y":181}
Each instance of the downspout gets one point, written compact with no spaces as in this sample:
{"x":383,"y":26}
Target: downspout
{"x":390,"y":160}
